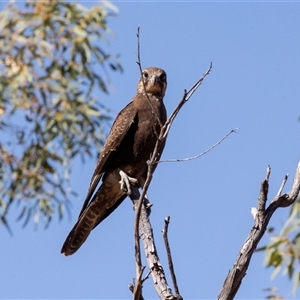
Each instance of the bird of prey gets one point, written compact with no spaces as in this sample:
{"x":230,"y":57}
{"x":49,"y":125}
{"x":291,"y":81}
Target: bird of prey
{"x":128,"y":146}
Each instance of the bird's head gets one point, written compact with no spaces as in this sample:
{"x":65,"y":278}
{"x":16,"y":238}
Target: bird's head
{"x":153,"y":81}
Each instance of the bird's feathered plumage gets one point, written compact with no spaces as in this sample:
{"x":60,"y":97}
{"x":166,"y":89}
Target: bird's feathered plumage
{"x":128,"y":147}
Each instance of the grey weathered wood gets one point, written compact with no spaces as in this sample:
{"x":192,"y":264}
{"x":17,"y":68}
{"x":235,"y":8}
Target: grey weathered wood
{"x":154,"y":264}
{"x":262,"y":217}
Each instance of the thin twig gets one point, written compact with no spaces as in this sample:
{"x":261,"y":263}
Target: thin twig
{"x":204,"y":152}
{"x":140,"y":197}
{"x":137,"y":294}
{"x":142,"y":77}
{"x":186,"y":96}
{"x":285,"y":178}
{"x":132,"y":288}
{"x":135,"y":197}
{"x":193,"y":89}
{"x":146,"y":277}
{"x":145,"y":186}
{"x":268,"y":173}
{"x":263,"y":195}
{"x":169,"y":255}
{"x":138,"y":49}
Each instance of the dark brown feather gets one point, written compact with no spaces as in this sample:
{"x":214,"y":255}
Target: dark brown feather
{"x":128,"y":147}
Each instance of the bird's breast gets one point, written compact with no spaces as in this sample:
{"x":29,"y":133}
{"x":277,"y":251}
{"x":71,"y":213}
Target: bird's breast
{"x":139,"y":142}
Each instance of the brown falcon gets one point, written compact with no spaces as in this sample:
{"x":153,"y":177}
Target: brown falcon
{"x":128,"y":147}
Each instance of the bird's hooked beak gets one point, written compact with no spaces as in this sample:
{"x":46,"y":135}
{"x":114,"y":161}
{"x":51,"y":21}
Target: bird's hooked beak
{"x":153,"y":79}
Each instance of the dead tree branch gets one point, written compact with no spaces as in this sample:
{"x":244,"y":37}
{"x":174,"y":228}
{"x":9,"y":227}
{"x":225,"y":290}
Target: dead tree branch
{"x":146,"y":233}
{"x":186,"y":96}
{"x":169,"y":255}
{"x":142,"y":225}
{"x":262,"y":216}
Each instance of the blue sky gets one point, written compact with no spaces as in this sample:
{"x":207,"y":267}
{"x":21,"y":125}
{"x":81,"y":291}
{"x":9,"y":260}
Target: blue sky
{"x":254,"y":85}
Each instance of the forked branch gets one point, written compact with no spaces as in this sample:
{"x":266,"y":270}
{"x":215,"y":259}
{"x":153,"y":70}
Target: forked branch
{"x":140,"y":221}
{"x":262,"y":217}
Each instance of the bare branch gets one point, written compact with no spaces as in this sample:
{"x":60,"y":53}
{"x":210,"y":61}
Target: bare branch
{"x":261,"y":221}
{"x":138,"y":50}
{"x":132,"y":289}
{"x":193,"y":89}
{"x":141,"y":218}
{"x":268,"y":173}
{"x":264,"y":189}
{"x":156,"y":269}
{"x":186,"y":96}
{"x":137,"y":294}
{"x":170,"y":261}
{"x":204,"y":152}
{"x":285,"y":178}
{"x":135,"y":195}
{"x":146,"y":277}
{"x":296,"y":184}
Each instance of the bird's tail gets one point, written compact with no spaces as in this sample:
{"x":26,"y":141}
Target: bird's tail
{"x":105,"y":201}
{"x":80,"y":232}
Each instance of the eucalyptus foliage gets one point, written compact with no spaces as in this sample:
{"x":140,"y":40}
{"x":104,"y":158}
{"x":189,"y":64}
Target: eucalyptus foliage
{"x":50,"y":57}
{"x":282,"y":253}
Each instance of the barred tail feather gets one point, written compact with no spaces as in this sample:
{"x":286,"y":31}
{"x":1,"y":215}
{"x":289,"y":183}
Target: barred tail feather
{"x":80,"y":232}
{"x":105,"y":201}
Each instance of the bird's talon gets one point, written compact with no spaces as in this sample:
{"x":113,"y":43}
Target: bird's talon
{"x":126,"y":181}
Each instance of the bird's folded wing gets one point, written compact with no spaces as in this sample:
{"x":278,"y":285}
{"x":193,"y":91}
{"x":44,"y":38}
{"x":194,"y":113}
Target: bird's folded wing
{"x":119,"y":129}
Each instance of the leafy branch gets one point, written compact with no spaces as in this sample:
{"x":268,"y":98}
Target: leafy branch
{"x":48,"y":114}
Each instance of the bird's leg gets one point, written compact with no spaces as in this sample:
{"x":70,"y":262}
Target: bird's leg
{"x":126,"y":181}
{"x":147,"y":203}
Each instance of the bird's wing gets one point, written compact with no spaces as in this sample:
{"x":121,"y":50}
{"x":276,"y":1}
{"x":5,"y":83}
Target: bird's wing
{"x":119,"y":129}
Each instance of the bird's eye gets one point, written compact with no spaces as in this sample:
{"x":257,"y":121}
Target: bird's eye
{"x":162,"y":77}
{"x":145,"y":74}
